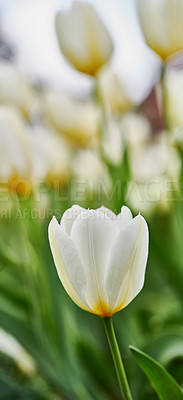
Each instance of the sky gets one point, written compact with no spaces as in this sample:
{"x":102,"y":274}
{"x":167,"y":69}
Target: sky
{"x":29,"y":25}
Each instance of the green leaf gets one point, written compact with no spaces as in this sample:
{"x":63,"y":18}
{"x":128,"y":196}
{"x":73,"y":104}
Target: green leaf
{"x":165,"y":386}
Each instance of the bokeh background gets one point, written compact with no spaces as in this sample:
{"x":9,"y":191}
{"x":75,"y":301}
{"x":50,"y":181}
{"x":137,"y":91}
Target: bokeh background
{"x":71,"y":138}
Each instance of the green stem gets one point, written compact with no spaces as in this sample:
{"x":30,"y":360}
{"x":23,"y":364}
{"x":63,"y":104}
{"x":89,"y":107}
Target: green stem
{"x":102,"y":121}
{"x":122,"y":379}
{"x":164,"y":95}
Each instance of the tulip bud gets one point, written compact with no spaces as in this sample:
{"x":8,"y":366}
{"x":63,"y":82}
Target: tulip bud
{"x":83,"y":38}
{"x":91,"y":173}
{"x":174,"y":98}
{"x":112,"y":92}
{"x":100,"y":257}
{"x":142,"y":159}
{"x":15,"y":88}
{"x":15,"y":161}
{"x":136,"y":129}
{"x":78,"y":121}
{"x":156,"y":179}
{"x":162,"y":22}
{"x":112,"y":144}
{"x":50,"y":157}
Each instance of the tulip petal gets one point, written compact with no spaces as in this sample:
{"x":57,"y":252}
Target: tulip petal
{"x":69,"y":217}
{"x":69,"y":27}
{"x":68,"y":264}
{"x":161,"y":23}
{"x":124,"y":217}
{"x":93,"y":233}
{"x":121,"y":219}
{"x":83,"y":38}
{"x":107,"y":212}
{"x":126,"y":264}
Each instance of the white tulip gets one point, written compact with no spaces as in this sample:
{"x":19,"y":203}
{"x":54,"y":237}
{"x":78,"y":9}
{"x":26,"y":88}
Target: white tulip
{"x":77,"y":120}
{"x":91,"y":173}
{"x":155,"y":169}
{"x":153,"y":196}
{"x":113,"y":94}
{"x":100,"y":257}
{"x":153,"y":159}
{"x":174,"y":98}
{"x":15,"y":160}
{"x":177,"y":138}
{"x":112,"y":143}
{"x":50,"y":155}
{"x":83,"y":38}
{"x":15,"y":88}
{"x":136,"y":129}
{"x":162,"y":22}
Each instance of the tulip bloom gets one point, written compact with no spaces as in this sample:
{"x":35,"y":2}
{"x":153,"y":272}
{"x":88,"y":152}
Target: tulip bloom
{"x":15,"y":159}
{"x":87,"y":167}
{"x":77,"y":120}
{"x":162,"y":22}
{"x":83,"y":38}
{"x":113,"y":94}
{"x":50,"y":156}
{"x":174,"y":99}
{"x":100,"y":257}
{"x":15,"y":89}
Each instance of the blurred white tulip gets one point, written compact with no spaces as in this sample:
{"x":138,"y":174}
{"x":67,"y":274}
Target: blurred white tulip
{"x":15,"y":161}
{"x":77,"y":120}
{"x":50,"y":155}
{"x":113,"y":95}
{"x":90,"y":173}
{"x":83,"y":38}
{"x":100,"y":257}
{"x":177,"y":138}
{"x":113,"y":142}
{"x":152,"y":196}
{"x":15,"y":88}
{"x":136,"y":129}
{"x":154,"y":159}
{"x":162,"y":22}
{"x":174,"y":98}
{"x":155,"y":168}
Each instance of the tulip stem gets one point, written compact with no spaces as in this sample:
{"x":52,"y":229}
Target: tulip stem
{"x":113,"y":344}
{"x":164,"y":95}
